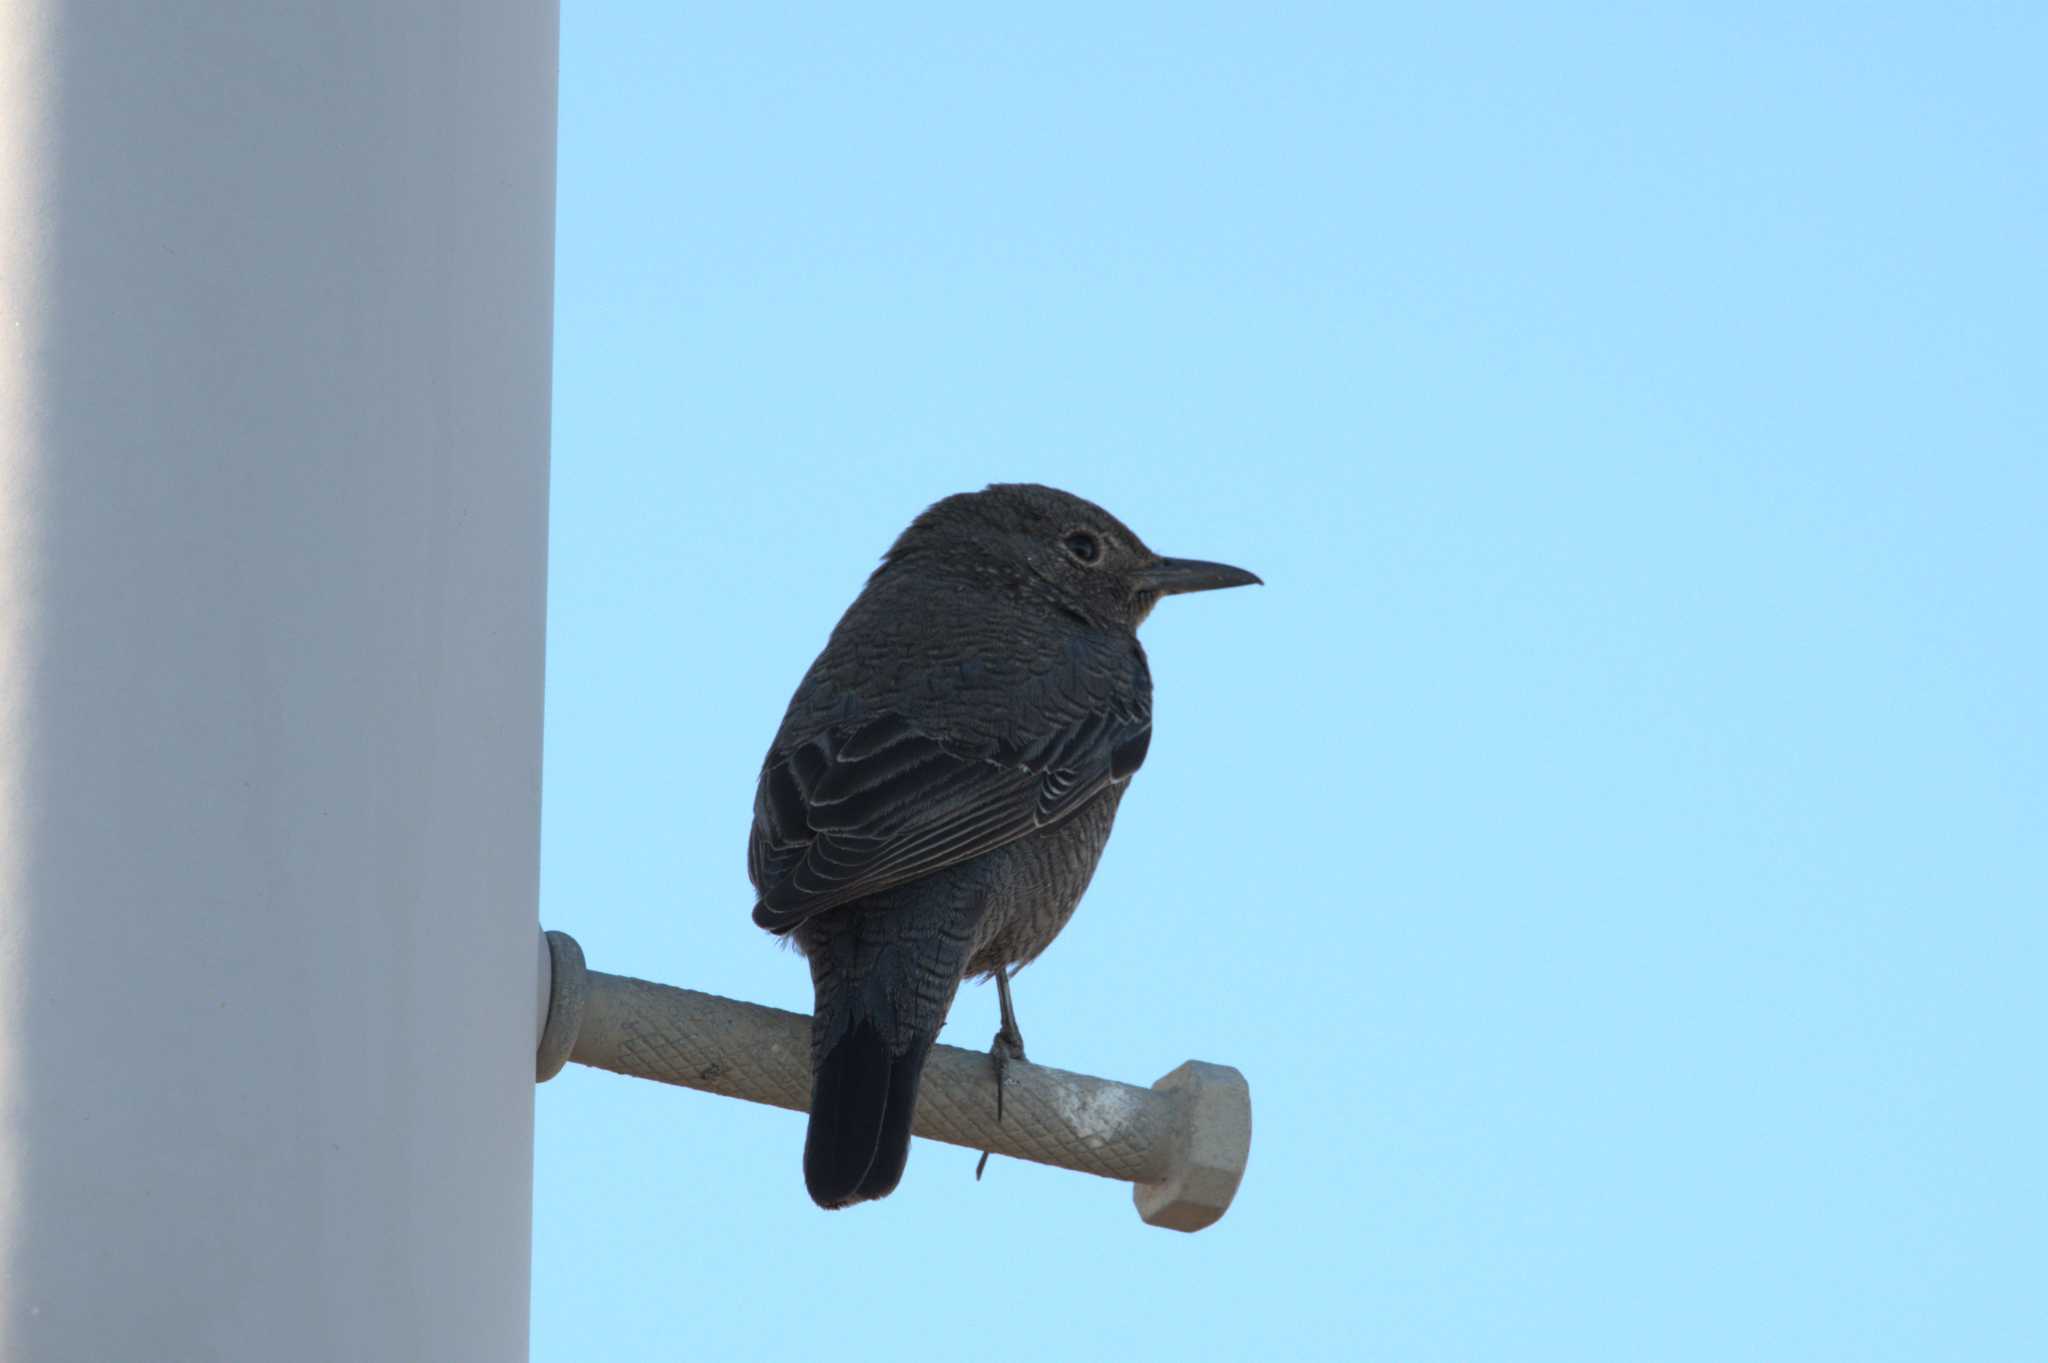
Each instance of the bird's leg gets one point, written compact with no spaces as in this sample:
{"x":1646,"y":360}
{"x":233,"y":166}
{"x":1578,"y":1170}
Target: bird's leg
{"x":1009,"y":1042}
{"x":1008,"y":1046}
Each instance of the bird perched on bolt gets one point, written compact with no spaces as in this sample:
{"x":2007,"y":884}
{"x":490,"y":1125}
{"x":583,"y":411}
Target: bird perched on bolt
{"x":943,"y":785}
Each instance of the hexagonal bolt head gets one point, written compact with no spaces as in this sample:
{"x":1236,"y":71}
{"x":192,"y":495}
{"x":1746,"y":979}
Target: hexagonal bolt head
{"x":1213,"y":1141}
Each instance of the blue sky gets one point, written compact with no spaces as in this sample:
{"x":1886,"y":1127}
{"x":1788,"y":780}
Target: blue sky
{"x":1612,"y":844}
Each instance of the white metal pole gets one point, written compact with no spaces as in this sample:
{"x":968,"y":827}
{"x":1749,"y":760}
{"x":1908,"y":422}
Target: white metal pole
{"x":275,"y":292}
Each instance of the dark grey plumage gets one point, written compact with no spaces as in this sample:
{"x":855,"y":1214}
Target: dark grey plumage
{"x":943,"y":784}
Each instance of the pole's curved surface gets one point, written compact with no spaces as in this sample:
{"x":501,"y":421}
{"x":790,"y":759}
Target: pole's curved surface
{"x":276,"y":290}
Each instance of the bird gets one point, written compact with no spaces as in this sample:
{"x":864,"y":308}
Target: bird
{"x":942,"y":786}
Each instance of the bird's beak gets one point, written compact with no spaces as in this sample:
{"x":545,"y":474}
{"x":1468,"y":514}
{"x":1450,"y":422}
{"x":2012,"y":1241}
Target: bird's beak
{"x":1171,"y":576}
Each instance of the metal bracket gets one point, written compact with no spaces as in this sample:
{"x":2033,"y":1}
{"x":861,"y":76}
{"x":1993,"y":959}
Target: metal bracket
{"x":1184,"y":1142}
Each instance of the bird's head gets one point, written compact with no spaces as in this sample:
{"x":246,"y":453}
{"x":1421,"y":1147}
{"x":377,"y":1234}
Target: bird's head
{"x":1043,"y":544}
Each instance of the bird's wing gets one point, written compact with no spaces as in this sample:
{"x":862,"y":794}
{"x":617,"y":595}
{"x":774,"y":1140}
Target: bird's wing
{"x":858,"y":810}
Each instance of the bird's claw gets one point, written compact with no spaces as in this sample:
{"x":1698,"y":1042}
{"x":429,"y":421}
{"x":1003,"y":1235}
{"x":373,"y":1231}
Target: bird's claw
{"x":1007,"y":1046}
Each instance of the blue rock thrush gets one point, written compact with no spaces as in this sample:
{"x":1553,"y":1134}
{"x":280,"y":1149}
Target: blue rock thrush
{"x":943,"y":785}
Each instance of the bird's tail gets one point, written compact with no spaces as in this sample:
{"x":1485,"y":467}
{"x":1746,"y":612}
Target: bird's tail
{"x":885,"y":977}
{"x":862,"y":1098}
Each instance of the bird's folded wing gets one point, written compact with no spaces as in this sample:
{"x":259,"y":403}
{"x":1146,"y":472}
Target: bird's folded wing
{"x":859,"y":810}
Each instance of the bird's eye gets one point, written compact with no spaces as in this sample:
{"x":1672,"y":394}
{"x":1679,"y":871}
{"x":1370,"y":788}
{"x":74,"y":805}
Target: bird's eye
{"x":1083,"y":546}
